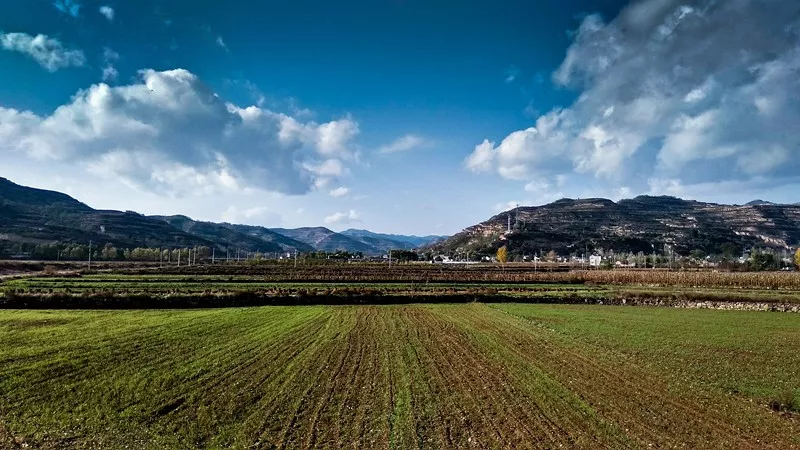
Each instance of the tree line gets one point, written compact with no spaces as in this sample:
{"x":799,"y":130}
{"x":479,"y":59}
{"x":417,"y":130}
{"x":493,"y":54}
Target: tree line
{"x":106,"y":252}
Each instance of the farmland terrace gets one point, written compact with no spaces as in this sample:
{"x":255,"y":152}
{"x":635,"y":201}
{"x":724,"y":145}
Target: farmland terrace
{"x":284,"y":284}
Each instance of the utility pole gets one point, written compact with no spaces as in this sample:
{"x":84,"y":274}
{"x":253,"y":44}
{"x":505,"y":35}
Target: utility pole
{"x":295,"y":258}
{"x":390,"y":259}
{"x":179,"y":257}
{"x":90,"y":255}
{"x":160,"y":258}
{"x":671,"y":257}
{"x":213,"y":252}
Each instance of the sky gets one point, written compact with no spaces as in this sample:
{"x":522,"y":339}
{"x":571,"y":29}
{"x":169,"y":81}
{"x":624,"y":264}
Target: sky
{"x":399,"y":116}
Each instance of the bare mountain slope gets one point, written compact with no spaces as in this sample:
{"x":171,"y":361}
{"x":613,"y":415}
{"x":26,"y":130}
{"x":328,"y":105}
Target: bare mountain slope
{"x":644,"y":223}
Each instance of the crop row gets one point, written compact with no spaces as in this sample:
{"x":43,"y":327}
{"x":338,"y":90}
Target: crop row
{"x":403,"y":377}
{"x":516,"y":274}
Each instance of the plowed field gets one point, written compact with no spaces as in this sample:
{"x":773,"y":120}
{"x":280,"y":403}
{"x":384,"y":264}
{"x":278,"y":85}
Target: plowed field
{"x":403,"y":376}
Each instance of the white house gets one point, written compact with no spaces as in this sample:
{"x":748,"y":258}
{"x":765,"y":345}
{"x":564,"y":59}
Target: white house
{"x":595,"y":260}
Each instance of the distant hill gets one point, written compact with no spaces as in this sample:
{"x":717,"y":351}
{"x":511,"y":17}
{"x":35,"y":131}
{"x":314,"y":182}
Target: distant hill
{"x":759,"y":202}
{"x":644,"y":223}
{"x":327,"y":240}
{"x":390,"y":241}
{"x":265,"y":234}
{"x":30,"y":217}
{"x":36,"y":216}
{"x":222,"y":234}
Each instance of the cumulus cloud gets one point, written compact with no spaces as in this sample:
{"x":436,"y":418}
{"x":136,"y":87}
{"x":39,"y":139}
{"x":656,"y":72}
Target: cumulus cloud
{"x":108,"y":12}
{"x":669,"y":91}
{"x":342,"y":218}
{"x":46,"y":51}
{"x":339,"y":192}
{"x":170,"y":133}
{"x":482,"y":159}
{"x":404,"y":143}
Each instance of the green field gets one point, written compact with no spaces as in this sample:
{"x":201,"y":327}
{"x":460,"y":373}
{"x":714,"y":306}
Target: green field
{"x":404,"y":376}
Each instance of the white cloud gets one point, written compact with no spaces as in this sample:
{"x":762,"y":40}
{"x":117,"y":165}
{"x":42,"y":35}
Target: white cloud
{"x":298,"y":111}
{"x":48,"y":52}
{"x":537,"y":186}
{"x":110,"y":73}
{"x":339,"y":192}
{"x":221,"y":43}
{"x":329,"y":168}
{"x":332,"y":139}
{"x":543,"y":191}
{"x":342,"y":218}
{"x":505,"y":206}
{"x":170,"y":133}
{"x":622,"y":192}
{"x":68,"y":7}
{"x":669,"y":92}
{"x":109,"y":54}
{"x":511,"y":74}
{"x":108,"y":12}
{"x":727,"y":191}
{"x":404,"y":143}
{"x":482,"y":158}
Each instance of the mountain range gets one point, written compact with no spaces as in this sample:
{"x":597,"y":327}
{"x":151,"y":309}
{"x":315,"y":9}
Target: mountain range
{"x":388,"y":241}
{"x":30,"y":216}
{"x":642,"y":224}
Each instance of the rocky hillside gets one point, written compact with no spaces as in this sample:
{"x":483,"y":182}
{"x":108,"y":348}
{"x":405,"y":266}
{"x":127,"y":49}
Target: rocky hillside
{"x":244,"y":237}
{"x":644,"y":223}
{"x":36,"y":216}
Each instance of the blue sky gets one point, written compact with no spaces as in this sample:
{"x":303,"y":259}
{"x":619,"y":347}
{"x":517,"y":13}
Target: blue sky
{"x":397,"y":116}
